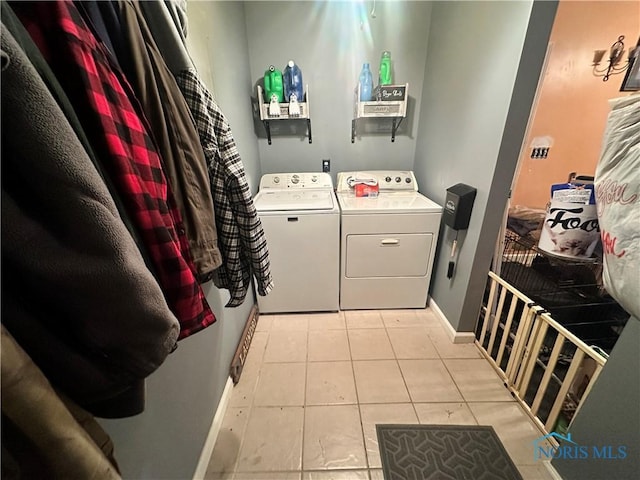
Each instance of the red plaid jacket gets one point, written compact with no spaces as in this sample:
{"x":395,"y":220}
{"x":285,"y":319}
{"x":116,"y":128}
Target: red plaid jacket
{"x":114,"y":123}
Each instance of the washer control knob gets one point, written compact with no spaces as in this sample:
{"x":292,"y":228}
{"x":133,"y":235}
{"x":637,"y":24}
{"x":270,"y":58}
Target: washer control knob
{"x":398,"y":179}
{"x":314,"y":179}
{"x":387,"y":179}
{"x":295,"y":179}
{"x":276,"y":179}
{"x":408,"y":179}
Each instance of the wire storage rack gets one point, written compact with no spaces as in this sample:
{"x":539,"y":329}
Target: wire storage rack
{"x":571,"y":290}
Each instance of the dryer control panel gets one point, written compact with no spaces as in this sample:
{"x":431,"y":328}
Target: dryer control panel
{"x":304,"y":180}
{"x":387,"y":180}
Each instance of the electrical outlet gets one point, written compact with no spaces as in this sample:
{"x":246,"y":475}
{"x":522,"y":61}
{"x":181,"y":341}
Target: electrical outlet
{"x":326,"y":165}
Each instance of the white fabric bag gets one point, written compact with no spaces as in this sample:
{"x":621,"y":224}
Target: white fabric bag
{"x":617,"y":183}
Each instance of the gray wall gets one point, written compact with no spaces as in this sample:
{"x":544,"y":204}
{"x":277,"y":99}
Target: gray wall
{"x":165,"y":442}
{"x":478,"y":81}
{"x":330,"y":41}
{"x":218,"y":44}
{"x":610,"y":415}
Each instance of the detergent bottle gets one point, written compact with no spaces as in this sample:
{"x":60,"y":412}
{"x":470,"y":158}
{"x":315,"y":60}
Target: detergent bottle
{"x":293,"y":82}
{"x":384,"y":77}
{"x":273,"y":84}
{"x":366,"y":83}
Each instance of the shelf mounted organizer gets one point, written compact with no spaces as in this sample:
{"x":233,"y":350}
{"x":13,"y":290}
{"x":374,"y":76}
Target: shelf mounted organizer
{"x":396,"y":110}
{"x":284,"y":112}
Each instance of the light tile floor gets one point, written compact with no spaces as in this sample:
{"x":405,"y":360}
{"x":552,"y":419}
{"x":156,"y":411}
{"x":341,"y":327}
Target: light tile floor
{"x":315,"y":385}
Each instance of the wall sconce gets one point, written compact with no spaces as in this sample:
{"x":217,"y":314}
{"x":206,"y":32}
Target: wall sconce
{"x":615,"y":55}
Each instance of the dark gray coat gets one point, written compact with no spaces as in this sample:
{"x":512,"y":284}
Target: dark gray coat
{"x":76,"y":293}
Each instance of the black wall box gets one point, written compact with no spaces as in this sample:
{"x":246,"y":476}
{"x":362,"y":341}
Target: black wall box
{"x":458,"y":206}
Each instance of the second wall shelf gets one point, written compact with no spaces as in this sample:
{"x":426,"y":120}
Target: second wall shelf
{"x":396,"y":110}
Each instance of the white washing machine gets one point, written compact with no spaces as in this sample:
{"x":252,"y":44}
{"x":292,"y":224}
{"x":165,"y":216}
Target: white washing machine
{"x":301,"y":221}
{"x":388,"y":242}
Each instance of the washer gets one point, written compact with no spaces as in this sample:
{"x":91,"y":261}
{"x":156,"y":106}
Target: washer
{"x":388,"y":242}
{"x":301,"y":221}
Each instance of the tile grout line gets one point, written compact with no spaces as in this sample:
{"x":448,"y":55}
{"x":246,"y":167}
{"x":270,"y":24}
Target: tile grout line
{"x":466,"y":402}
{"x":252,"y":405}
{"x":456,"y":385}
{"x":355,"y":384}
{"x":234,"y":469}
{"x":395,"y":354}
{"x":304,"y":402}
{"x":304,"y":394}
{"x":404,"y":380}
{"x":413,"y":403}
{"x":511,"y":399}
{"x":406,"y":386}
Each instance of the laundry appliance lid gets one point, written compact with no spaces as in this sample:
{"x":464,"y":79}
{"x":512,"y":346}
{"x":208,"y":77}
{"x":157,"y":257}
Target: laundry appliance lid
{"x":410,"y":202}
{"x":278,"y":200}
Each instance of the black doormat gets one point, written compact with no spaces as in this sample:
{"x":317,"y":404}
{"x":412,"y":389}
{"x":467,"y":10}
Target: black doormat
{"x":443,"y":452}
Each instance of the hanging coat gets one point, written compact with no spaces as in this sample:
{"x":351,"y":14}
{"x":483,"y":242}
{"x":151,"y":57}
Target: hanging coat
{"x":45,"y":435}
{"x":23,"y":39}
{"x":115,"y":124}
{"x":174,"y":132}
{"x":240,"y":234}
{"x":76,"y":293}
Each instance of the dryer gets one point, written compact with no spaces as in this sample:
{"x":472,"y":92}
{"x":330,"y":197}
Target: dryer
{"x":301,"y":221}
{"x":388,"y":242}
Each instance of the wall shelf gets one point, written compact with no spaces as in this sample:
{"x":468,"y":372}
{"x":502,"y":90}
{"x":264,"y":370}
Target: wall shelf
{"x":396,"y":110}
{"x":283,"y":112}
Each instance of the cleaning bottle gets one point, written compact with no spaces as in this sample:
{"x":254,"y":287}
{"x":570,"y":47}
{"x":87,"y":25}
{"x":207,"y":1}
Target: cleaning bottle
{"x":273,"y":85}
{"x":366,"y":83}
{"x":384,"y":74}
{"x":293,"y":82}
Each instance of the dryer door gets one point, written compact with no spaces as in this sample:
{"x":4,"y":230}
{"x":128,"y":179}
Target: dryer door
{"x":388,"y":255}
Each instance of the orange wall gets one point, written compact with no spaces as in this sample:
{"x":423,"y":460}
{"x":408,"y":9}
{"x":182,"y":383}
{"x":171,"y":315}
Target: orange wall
{"x":572,"y":105}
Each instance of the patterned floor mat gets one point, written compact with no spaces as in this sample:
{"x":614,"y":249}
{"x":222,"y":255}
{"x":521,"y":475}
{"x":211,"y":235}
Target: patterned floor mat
{"x":443,"y":452}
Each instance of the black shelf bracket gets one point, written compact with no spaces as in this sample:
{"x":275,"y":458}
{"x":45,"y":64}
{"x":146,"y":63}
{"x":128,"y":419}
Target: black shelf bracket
{"x":267,"y":127}
{"x":395,"y":124}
